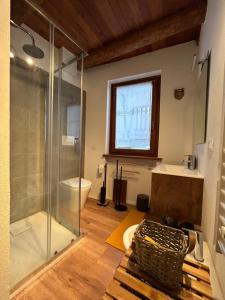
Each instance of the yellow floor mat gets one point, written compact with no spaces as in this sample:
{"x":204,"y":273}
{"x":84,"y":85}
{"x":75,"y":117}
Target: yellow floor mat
{"x":116,"y":237}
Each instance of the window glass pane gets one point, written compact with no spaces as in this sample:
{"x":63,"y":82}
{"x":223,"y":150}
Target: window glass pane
{"x":73,"y":121}
{"x":133,"y":116}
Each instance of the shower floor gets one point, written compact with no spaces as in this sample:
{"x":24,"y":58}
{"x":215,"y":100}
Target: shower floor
{"x":28,"y":242}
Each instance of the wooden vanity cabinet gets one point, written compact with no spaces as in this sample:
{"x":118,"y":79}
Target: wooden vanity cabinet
{"x":177,"y":196}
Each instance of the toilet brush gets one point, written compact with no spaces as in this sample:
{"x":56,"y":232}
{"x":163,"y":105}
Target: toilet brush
{"x":119,"y":206}
{"x":102,"y":201}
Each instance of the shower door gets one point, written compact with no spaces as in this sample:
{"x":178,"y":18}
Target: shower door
{"x":66,"y":150}
{"x":45,"y":141}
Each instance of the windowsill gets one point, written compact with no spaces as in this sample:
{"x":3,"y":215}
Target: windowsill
{"x":131,"y":157}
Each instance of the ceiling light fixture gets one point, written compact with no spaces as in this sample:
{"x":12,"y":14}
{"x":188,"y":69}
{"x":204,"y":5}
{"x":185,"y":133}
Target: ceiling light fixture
{"x":30,"y":61}
{"x":12,"y":53}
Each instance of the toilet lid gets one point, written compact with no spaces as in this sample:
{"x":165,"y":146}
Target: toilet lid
{"x":74,"y":182}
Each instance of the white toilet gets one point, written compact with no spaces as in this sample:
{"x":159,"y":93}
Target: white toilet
{"x":128,"y":236}
{"x":69,"y":193}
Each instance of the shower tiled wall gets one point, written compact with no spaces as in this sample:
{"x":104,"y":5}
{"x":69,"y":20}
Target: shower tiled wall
{"x":27,"y":140}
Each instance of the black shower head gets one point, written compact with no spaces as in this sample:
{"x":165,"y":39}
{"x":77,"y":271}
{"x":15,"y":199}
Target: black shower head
{"x":33,"y":50}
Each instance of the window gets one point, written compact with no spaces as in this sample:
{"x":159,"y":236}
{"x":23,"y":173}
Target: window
{"x":73,"y":120}
{"x":134,"y":117}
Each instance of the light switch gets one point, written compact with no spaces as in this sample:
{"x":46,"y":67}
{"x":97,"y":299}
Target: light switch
{"x":211,"y":144}
{"x":100,"y":169}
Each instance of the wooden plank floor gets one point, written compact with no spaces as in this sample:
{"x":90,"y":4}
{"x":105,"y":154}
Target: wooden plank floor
{"x":86,"y":271}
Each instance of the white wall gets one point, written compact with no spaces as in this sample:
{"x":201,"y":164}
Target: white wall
{"x":213,"y":38}
{"x":176,"y":117}
{"x":4,"y":149}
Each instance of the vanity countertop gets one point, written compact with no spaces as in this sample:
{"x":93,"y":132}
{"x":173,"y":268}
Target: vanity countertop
{"x":177,"y":170}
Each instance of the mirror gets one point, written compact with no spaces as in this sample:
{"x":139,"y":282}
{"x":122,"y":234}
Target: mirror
{"x":201,"y":105}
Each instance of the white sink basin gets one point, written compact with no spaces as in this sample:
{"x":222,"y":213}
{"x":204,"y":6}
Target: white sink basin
{"x":177,"y":170}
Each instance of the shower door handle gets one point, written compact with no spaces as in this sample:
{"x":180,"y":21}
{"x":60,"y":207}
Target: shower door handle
{"x":77,"y":144}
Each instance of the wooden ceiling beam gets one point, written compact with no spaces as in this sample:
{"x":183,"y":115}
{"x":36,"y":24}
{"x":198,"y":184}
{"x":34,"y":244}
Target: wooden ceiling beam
{"x":151,"y":34}
{"x":20,"y":10}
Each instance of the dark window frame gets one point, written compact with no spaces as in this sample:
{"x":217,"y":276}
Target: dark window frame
{"x":154,"y":137}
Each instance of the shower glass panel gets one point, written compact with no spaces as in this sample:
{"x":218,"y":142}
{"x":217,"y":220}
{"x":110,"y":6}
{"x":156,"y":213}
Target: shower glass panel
{"x":29,"y":77}
{"x":65,"y":200}
{"x":45,"y":118}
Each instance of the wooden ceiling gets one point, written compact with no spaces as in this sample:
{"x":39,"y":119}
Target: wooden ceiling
{"x":110,"y":30}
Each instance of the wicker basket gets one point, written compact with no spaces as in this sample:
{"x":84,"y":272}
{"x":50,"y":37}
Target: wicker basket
{"x":162,"y":257}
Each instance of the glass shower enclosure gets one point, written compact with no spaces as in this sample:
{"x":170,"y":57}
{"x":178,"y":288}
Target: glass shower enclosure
{"x":46,"y":141}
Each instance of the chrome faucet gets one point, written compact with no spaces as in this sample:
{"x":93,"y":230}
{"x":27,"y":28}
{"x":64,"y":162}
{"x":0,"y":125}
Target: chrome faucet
{"x":190,"y":162}
{"x":198,"y":252}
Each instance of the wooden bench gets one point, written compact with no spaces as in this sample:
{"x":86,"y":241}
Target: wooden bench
{"x":127,"y":284}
